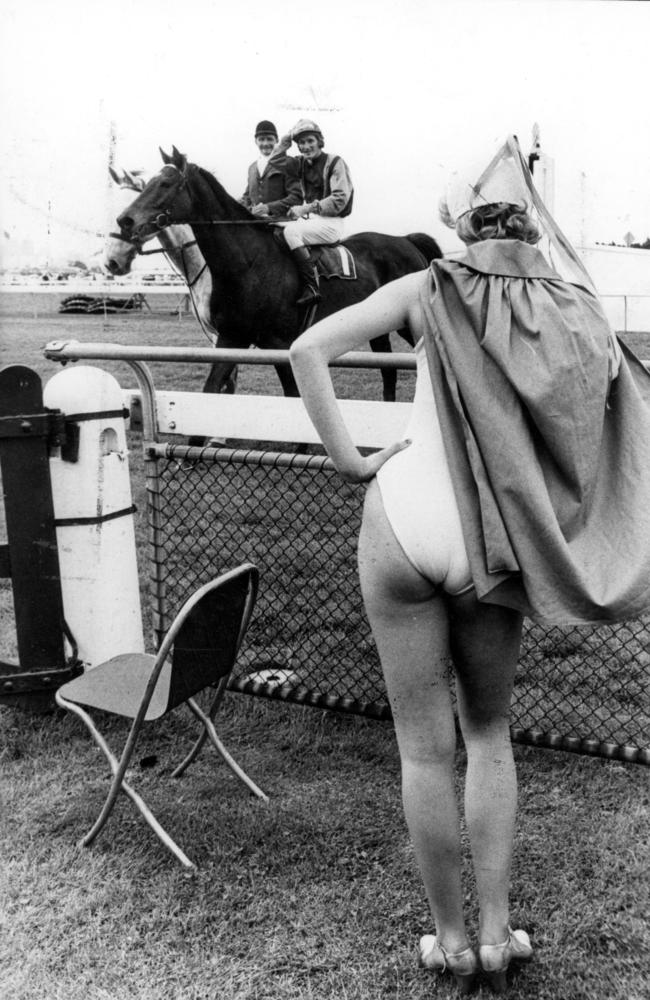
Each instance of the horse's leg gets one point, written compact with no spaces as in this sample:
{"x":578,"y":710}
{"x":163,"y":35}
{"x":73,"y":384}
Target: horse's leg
{"x":222,"y":374}
{"x":287,"y":381}
{"x":388,"y":375}
{"x":406,"y":335}
{"x":230,"y":385}
{"x":222,"y":377}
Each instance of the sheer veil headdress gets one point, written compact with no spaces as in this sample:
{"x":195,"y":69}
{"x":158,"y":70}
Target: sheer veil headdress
{"x":507,"y":178}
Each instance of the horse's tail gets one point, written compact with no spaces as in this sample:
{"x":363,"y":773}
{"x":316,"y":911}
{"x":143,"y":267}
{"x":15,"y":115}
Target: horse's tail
{"x":426,"y":245}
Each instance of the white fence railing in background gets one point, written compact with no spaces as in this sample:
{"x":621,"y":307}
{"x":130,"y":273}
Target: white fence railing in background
{"x":74,"y":287}
{"x":625,"y":312}
{"x":372,"y":424}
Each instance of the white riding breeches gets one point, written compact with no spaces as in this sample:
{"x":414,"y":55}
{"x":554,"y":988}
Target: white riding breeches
{"x":315,"y":229}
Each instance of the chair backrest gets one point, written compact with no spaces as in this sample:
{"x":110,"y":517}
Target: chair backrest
{"x":210,"y":633}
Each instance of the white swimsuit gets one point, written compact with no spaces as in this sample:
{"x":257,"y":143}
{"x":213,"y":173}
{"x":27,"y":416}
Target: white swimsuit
{"x":418,"y":496}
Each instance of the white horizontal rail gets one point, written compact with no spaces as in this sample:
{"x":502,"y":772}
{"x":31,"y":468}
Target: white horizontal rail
{"x":74,"y":350}
{"x":96,"y":288}
{"x":166,"y":288}
{"x":371,"y":424}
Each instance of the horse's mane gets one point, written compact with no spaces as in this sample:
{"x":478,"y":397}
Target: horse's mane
{"x":235,"y":209}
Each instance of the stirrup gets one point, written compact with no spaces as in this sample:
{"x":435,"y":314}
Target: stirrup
{"x":308,"y":296}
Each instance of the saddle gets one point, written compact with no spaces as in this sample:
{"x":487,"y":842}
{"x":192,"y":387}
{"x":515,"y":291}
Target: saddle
{"x":332,"y":260}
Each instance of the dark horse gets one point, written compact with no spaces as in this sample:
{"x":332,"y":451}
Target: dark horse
{"x":254,"y":280}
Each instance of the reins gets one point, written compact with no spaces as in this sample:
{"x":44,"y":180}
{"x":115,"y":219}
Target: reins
{"x":137,"y":241}
{"x":229,"y":222}
{"x":191,"y":284}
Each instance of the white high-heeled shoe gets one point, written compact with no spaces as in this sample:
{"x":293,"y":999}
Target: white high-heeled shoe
{"x":495,"y":958}
{"x":463,"y":965}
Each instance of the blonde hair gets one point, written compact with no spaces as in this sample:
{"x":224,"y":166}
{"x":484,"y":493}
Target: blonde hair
{"x":500,"y":221}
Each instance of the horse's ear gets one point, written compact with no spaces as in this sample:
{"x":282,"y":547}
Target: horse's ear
{"x":114,"y":174}
{"x":133,"y":181}
{"x":165,"y":157}
{"x":178,"y":159}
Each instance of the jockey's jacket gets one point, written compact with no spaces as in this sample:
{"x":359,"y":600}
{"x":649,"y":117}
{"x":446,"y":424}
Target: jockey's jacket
{"x":327,"y":180}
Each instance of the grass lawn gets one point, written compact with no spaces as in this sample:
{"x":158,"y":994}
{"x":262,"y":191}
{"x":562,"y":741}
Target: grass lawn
{"x":313,"y":895}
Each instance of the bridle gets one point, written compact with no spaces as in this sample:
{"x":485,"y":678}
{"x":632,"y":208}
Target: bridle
{"x":164,"y":219}
{"x":159,"y":226}
{"x":161,"y":221}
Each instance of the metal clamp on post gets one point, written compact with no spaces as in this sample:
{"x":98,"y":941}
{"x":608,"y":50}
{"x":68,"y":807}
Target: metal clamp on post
{"x":61,"y":431}
{"x":69,"y":440}
{"x":46,"y":424}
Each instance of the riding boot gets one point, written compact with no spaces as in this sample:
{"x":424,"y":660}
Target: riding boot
{"x":308,"y":275}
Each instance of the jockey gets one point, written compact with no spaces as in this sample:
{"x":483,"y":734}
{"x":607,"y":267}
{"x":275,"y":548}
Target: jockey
{"x":272,"y":188}
{"x":328,"y":194}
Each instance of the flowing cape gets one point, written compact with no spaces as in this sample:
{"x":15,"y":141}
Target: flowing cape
{"x":550,"y":457}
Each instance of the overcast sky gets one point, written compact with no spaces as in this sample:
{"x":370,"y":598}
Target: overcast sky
{"x":403,"y":91}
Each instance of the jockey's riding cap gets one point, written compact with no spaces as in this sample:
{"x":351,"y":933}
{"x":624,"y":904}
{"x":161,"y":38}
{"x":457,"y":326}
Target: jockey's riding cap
{"x":306,"y":127}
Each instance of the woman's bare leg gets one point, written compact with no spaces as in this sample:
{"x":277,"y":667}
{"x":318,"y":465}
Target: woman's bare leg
{"x":410,"y":627}
{"x":485,"y":641}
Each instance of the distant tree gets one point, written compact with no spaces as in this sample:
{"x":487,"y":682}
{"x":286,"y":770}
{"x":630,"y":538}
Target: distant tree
{"x":642,"y":246}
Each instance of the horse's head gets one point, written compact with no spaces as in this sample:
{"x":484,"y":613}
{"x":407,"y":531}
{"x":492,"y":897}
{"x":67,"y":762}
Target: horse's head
{"x":163,"y":201}
{"x":119,"y":253}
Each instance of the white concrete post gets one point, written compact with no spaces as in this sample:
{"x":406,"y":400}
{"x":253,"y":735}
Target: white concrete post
{"x":97,"y":554}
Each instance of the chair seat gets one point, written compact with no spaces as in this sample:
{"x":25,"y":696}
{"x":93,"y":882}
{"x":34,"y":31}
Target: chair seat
{"x":118,"y":686}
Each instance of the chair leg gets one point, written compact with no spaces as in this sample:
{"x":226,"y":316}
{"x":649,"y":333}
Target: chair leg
{"x":220,"y":748}
{"x":203,"y":735}
{"x":162,"y":834}
{"x":119,"y":784}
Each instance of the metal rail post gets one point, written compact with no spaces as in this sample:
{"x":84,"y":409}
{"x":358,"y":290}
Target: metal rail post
{"x":30,"y":559}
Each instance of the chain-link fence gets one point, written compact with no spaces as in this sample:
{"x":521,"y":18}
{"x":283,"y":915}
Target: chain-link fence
{"x":577,"y":688}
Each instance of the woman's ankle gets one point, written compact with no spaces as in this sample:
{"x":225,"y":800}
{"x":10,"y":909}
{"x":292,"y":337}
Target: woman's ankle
{"x":452,"y":942}
{"x":493,"y":930}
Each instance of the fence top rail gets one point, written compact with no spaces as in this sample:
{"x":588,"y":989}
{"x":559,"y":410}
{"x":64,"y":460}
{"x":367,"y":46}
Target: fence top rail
{"x":73,"y":350}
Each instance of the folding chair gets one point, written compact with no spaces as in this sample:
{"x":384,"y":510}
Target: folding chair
{"x":198,"y":651}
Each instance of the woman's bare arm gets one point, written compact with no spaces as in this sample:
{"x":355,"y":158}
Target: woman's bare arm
{"x":389,"y":308}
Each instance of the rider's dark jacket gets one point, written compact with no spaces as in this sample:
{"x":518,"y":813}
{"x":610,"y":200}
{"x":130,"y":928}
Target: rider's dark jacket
{"x":279,"y":186}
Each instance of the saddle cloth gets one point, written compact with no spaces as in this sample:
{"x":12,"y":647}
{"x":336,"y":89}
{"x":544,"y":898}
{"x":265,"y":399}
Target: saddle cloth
{"x":333,"y":261}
